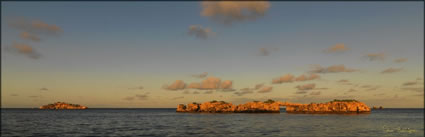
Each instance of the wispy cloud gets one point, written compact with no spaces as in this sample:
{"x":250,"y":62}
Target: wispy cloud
{"x":14,"y":95}
{"x":29,"y":36}
{"x":258,"y":86}
{"x":352,"y":90}
{"x":177,"y":85}
{"x":264,"y":52}
{"x":202,"y":75}
{"x":175,"y":98}
{"x":306,"y":77}
{"x":375,"y":56}
{"x":283,"y":79}
{"x":200,"y":32}
{"x":340,"y":47}
{"x":209,"y":92}
{"x":315,"y":93}
{"x":416,"y":89}
{"x":331,"y":69}
{"x":23,"y":49}
{"x":137,"y":96}
{"x":265,"y":89}
{"x":370,"y":87}
{"x":137,"y":88}
{"x":244,"y":91}
{"x":35,"y":26}
{"x":228,"y":12}
{"x":410,"y":83}
{"x":44,"y":89}
{"x":391,"y":70}
{"x":306,"y":86}
{"x":400,"y":60}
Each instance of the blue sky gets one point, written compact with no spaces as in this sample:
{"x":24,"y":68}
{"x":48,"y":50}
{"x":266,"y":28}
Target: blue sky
{"x":117,"y":45}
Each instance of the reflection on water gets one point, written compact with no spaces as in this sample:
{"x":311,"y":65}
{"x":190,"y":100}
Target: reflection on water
{"x":166,"y":122}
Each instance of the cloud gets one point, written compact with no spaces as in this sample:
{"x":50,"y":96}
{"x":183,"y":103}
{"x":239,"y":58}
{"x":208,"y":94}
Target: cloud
{"x":227,"y":84}
{"x":244,"y":92}
{"x":343,"y":81}
{"x":14,"y":95}
{"x":195,"y":92}
{"x":23,"y":49}
{"x":202,"y":75}
{"x":208,"y":92}
{"x":44,"y":89}
{"x":186,"y":92}
{"x":228,"y":12}
{"x":29,"y":36}
{"x":306,"y":78}
{"x":175,"y":98}
{"x":400,"y":60}
{"x":264,"y":52}
{"x":315,"y":93}
{"x":410,"y":83}
{"x":142,"y":97}
{"x":194,"y":85}
{"x":391,"y":70}
{"x":129,"y":98}
{"x":352,"y":90}
{"x":306,"y":86}
{"x":34,"y":96}
{"x":138,"y":88}
{"x":370,"y":87}
{"x":301,"y":92}
{"x":284,"y":79}
{"x":35,"y":26}
{"x":418,"y":89}
{"x":339,"y":47}
{"x":258,"y":86}
{"x":200,"y":32}
{"x":177,"y":85}
{"x":210,"y":83}
{"x":331,"y":69}
{"x":375,"y":56}
{"x":265,"y":90}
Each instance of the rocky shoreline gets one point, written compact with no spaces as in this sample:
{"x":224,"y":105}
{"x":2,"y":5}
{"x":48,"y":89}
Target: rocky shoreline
{"x":270,"y":106}
{"x":63,"y":105}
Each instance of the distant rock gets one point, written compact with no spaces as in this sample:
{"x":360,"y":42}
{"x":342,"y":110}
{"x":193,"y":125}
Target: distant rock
{"x":63,"y":105}
{"x":380,"y":107}
{"x":224,"y":107}
{"x":336,"y":106}
{"x":270,"y":106}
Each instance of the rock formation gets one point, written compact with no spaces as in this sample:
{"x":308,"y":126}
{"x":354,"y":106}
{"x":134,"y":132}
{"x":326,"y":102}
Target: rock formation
{"x":223,"y":107}
{"x":336,"y":106}
{"x":63,"y":105}
{"x":380,"y":107}
{"x":270,"y":106}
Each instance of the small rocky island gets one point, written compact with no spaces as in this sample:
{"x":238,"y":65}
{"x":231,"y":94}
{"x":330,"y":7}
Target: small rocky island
{"x":63,"y":105}
{"x":271,"y":106}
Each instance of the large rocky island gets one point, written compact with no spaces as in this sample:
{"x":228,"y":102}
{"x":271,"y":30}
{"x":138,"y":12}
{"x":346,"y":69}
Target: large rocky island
{"x":63,"y":105}
{"x":270,"y":106}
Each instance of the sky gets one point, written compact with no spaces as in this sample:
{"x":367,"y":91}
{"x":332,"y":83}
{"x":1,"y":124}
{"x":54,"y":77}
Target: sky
{"x":161,"y":54}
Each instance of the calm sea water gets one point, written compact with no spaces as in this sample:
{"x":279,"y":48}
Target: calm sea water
{"x":166,"y":122}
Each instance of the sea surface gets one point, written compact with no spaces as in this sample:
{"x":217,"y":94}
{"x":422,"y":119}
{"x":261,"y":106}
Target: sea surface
{"x":168,"y":123}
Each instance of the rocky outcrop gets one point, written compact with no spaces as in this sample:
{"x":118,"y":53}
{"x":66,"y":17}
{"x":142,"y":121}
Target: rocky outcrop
{"x":63,"y":105}
{"x":380,"y":107}
{"x":270,"y":106}
{"x":337,"y":106}
{"x":224,"y":107}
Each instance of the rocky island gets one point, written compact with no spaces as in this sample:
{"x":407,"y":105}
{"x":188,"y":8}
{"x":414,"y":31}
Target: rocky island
{"x":63,"y":105}
{"x":271,"y":106}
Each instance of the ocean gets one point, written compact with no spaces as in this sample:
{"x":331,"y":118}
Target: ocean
{"x":168,"y":123}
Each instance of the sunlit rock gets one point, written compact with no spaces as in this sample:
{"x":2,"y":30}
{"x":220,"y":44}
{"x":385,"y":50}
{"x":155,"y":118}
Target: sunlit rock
{"x":63,"y":105}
